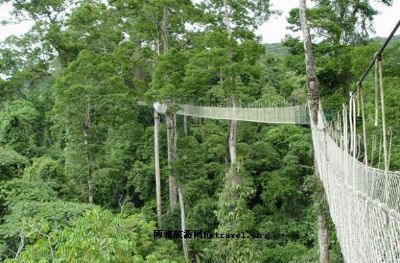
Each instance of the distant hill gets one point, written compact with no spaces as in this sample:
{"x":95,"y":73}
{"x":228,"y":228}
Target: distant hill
{"x":276,"y":48}
{"x":279,"y":50}
{"x":380,"y":40}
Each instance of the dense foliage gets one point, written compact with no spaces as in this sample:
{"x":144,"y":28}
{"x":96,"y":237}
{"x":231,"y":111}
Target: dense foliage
{"x":76,"y":149}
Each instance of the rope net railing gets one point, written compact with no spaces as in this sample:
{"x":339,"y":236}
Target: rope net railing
{"x":364,"y":202}
{"x":278,"y":115}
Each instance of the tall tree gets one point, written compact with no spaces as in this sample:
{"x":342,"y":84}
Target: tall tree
{"x":235,"y":217}
{"x":233,"y":123}
{"x":85,"y":106}
{"x":313,"y":101}
{"x":237,"y":19}
{"x":157,"y":168}
{"x":340,"y":22}
{"x":166,"y":20}
{"x":338,"y":25}
{"x":48,"y":17}
{"x":160,"y":23}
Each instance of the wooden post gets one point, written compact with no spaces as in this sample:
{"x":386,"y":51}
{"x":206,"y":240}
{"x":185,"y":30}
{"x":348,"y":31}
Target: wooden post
{"x":157,"y":167}
{"x":313,"y":100}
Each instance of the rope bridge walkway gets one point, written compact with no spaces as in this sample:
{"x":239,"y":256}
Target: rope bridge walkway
{"x":364,"y":202}
{"x":278,"y":115}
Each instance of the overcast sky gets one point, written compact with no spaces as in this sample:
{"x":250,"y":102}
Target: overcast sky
{"x":272,"y":31}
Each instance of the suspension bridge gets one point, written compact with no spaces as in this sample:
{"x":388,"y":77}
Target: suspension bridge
{"x":364,"y":202}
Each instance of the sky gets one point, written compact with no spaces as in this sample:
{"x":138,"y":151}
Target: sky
{"x":272,"y":31}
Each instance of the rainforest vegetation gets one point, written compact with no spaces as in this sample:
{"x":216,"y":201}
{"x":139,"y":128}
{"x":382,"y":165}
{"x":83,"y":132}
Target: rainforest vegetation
{"x":76,"y":148}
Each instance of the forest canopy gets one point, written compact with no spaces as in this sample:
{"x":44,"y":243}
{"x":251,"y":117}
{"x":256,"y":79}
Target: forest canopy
{"x":77,"y":164}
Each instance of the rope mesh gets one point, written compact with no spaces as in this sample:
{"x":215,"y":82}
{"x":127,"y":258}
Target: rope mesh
{"x":282,"y":115}
{"x":363,"y":207}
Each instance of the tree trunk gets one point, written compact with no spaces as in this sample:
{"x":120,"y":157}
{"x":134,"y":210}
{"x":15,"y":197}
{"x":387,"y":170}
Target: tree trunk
{"x":171,"y":127}
{"x":185,"y":127}
{"x":323,"y":237}
{"x":86,"y":127}
{"x":158,"y":46}
{"x":157,"y":167}
{"x":313,"y":100}
{"x":233,"y":123}
{"x":180,"y":193}
{"x":183,"y":223}
{"x":175,"y":138}
{"x":164,"y":29}
{"x":313,"y":83}
{"x":232,"y":138}
{"x":171,"y":131}
{"x":227,"y":19}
